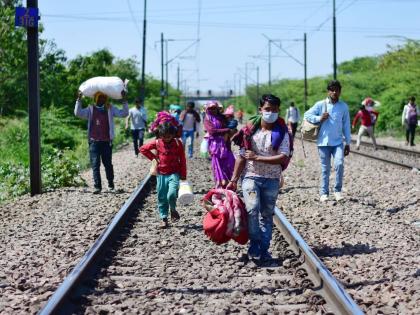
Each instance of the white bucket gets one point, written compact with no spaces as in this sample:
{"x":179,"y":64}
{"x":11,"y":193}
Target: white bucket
{"x":185,"y":194}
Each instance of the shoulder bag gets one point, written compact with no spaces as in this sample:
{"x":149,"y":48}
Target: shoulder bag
{"x":310,"y":131}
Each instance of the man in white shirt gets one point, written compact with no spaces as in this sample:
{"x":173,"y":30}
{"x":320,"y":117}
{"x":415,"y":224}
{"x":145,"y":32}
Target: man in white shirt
{"x":410,"y":116}
{"x":138,"y":116}
{"x":292,"y":118}
{"x":189,"y":118}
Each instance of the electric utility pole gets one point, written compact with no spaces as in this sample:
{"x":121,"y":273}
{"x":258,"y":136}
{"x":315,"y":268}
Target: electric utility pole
{"x":305,"y":73}
{"x":143,"y":63}
{"x":162,"y":89}
{"x":177,"y":83}
{"x":334,"y":43}
{"x":269,"y":62}
{"x":258,"y":83}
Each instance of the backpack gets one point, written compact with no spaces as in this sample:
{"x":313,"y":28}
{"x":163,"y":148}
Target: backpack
{"x":412,"y":115}
{"x":243,"y":138}
{"x":372,"y":117}
{"x":285,"y":164}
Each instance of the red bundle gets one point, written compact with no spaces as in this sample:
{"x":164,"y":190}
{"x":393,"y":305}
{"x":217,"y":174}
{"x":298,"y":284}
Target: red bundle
{"x":226,"y":217}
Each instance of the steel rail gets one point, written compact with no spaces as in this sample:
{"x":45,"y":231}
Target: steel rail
{"x":335,"y":295}
{"x":60,"y":296}
{"x":384,"y":160}
{"x":388,"y":148}
{"x":381,"y":159}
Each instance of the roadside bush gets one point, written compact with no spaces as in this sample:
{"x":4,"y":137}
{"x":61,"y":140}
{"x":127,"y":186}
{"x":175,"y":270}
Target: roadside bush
{"x":15,"y":180}
{"x":60,"y":169}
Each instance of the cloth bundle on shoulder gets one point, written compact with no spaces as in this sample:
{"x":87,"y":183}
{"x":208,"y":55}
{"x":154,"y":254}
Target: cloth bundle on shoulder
{"x":243,"y":138}
{"x":163,"y":117}
{"x":226,"y":217}
{"x":111,"y":86}
{"x":310,"y":131}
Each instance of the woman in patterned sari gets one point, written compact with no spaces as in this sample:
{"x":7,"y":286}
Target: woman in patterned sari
{"x":222,"y":158}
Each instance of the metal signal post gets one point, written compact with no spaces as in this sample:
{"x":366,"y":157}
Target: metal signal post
{"x":33,"y":105}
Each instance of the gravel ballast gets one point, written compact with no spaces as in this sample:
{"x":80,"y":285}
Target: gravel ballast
{"x":370,"y":241}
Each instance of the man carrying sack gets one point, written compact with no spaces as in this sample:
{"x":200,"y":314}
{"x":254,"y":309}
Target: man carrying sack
{"x":100,"y":117}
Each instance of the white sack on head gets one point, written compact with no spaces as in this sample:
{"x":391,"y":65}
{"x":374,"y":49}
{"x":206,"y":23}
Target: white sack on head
{"x":111,"y":86}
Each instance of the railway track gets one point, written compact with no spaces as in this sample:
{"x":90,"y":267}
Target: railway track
{"x":135,"y":268}
{"x":389,"y":148}
{"x":404,"y":160}
{"x":371,"y":156}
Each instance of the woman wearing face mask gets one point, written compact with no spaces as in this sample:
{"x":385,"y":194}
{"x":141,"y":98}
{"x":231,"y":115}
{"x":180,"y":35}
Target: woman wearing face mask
{"x":264,"y":151}
{"x":222,"y":158}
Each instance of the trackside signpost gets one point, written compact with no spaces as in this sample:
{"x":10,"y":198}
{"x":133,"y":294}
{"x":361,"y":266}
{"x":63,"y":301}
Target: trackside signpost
{"x":28,"y":18}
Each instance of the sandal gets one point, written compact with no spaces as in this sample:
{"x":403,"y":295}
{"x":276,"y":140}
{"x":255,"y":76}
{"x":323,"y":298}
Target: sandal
{"x":164,"y":224}
{"x":174,"y":215}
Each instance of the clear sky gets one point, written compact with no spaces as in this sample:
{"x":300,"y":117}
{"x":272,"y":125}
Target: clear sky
{"x":230,"y":33}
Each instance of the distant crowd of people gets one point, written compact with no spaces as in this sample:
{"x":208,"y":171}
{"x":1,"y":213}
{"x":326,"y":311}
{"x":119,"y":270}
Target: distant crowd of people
{"x":265,"y":145}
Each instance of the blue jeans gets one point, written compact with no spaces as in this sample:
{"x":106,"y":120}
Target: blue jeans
{"x":101,"y":150}
{"x":138,"y":136}
{"x":188,"y":134}
{"x":260,"y":195}
{"x":325,"y":153}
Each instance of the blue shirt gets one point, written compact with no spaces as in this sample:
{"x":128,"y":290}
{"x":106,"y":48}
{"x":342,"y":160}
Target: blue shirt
{"x":335,"y":127}
{"x":138,"y":118}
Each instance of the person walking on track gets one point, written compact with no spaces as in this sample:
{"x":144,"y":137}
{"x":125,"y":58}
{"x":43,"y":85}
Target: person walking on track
{"x":366,"y":126}
{"x":264,"y":147}
{"x":409,"y":119}
{"x":292,"y":117}
{"x":189,"y":119}
{"x":333,"y":114}
{"x":222,"y":158}
{"x":100,"y":117}
{"x":138,"y":117}
{"x":171,"y":167}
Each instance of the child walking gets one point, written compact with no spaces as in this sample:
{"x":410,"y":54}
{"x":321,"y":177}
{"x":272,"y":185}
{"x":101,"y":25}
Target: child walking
{"x":171,"y":167}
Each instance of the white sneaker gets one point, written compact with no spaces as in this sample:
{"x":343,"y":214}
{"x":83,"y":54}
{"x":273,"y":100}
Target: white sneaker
{"x":323,"y":198}
{"x":338,"y":196}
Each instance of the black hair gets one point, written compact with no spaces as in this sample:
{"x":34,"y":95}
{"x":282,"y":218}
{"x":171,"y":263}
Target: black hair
{"x":191,"y":104}
{"x":139,"y":100}
{"x":292,"y":103}
{"x":362,"y":107}
{"x":271,"y":99}
{"x":334,"y":84}
{"x":413,"y":99}
{"x":166,"y":128}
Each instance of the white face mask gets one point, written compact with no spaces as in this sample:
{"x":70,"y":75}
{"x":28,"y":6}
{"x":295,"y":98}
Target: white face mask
{"x":270,"y":117}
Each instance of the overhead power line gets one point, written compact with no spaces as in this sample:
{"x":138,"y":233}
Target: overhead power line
{"x":133,"y":18}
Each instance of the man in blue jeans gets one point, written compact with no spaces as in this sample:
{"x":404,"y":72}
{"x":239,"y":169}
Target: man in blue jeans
{"x":334,"y":117}
{"x":189,"y":118}
{"x":138,"y":117}
{"x":100,"y":118}
{"x":261,"y":157}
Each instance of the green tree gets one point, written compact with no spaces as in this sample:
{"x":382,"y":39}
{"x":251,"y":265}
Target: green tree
{"x":13,"y":63}
{"x":390,"y":78}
